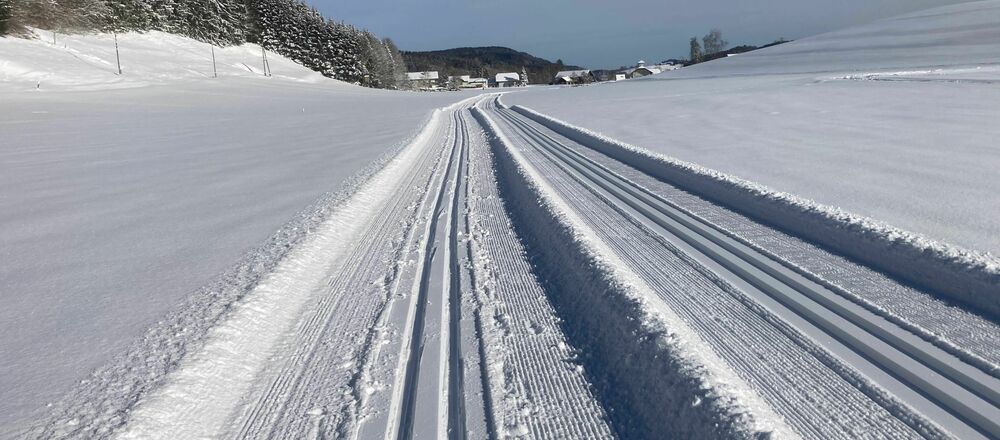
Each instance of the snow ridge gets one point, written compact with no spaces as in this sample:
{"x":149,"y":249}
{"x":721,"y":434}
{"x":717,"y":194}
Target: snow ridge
{"x":642,"y":348}
{"x":961,"y":275}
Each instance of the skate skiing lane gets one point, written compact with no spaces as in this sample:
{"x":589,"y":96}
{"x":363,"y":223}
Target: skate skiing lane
{"x":959,"y":397}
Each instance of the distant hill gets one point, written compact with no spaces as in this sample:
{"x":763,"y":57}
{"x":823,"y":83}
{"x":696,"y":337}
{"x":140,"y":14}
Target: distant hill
{"x":483,"y":61}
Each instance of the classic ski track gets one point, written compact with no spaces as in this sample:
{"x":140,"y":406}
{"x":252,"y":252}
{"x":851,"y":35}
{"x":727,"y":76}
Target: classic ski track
{"x":405,"y":397}
{"x":570,"y":183}
{"x":385,"y":339}
{"x":341,"y":315}
{"x":538,"y":389}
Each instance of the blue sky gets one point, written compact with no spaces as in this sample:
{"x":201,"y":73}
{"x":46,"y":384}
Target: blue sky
{"x":604,"y":33}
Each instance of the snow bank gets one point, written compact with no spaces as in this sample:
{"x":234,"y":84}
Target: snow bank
{"x":88,"y":61}
{"x":957,"y":274}
{"x":632,"y":349}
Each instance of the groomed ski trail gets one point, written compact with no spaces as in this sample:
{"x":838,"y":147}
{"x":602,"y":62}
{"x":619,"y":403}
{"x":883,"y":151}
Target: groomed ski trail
{"x":396,"y":319}
{"x":804,"y":345}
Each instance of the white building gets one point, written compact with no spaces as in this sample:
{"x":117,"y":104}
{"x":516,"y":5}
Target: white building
{"x":509,"y":79}
{"x":423,"y":80}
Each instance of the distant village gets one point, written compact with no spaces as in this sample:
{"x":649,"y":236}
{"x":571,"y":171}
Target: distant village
{"x":432,"y":81}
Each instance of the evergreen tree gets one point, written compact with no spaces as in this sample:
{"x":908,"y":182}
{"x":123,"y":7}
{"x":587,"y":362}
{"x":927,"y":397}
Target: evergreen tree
{"x":6,"y":7}
{"x":82,"y":15}
{"x":696,"y":56}
{"x":213,"y":21}
{"x":127,"y":15}
{"x":39,"y":13}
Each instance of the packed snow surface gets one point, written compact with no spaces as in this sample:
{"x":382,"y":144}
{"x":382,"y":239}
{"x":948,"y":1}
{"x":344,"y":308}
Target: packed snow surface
{"x":122,"y":195}
{"x":895,"y":120}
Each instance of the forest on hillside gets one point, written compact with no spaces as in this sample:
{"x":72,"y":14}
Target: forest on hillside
{"x":484,"y":62}
{"x":288,"y":27}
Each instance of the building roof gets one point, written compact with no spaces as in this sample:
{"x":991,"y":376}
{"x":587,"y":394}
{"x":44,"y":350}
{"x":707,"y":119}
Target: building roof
{"x":573,"y":73}
{"x":510,"y":76}
{"x":416,"y":76}
{"x":470,"y":79}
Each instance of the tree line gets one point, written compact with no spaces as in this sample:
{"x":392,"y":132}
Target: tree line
{"x":288,"y":27}
{"x":484,"y":62}
{"x":713,"y":46}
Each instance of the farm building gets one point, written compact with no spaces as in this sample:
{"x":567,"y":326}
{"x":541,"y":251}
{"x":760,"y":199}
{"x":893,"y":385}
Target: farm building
{"x":509,"y":79}
{"x":573,"y":77}
{"x":423,"y":80}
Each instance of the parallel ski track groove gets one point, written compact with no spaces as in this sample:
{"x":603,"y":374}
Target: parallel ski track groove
{"x":543,"y":391}
{"x":456,"y":395}
{"x":969,"y":394}
{"x":798,"y":386}
{"x":411,"y":382}
{"x":976,"y":340}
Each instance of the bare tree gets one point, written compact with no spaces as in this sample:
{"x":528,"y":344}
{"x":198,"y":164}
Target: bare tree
{"x":713,"y":42}
{"x":696,"y":56}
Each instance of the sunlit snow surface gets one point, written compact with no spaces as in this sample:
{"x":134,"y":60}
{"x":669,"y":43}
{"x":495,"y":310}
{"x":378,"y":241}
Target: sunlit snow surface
{"x":897,"y":120}
{"x":120,"y":196}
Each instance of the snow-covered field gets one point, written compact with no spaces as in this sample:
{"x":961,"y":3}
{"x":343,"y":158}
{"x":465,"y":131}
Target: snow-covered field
{"x":245,"y":257}
{"x":121,"y":196}
{"x":896,"y":120}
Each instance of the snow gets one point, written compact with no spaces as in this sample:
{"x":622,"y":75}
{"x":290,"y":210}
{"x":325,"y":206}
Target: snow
{"x":166,"y":235}
{"x":239,"y":348}
{"x":895,"y":120}
{"x":599,"y":265}
{"x":77,"y":62}
{"x":122,"y":196}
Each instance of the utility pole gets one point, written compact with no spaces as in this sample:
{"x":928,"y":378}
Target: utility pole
{"x":117,"y":56}
{"x":215,"y":71}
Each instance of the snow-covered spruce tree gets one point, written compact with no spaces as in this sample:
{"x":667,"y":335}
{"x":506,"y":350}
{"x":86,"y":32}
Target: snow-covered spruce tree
{"x":127,"y":15}
{"x":5,"y":11}
{"x":382,"y":60}
{"x":38,"y":13}
{"x":82,"y":15}
{"x":162,"y":16}
{"x":292,"y":29}
{"x":348,"y":39}
{"x":213,"y":21}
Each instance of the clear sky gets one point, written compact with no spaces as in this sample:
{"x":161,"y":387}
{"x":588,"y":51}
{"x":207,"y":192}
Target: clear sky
{"x":604,"y":33}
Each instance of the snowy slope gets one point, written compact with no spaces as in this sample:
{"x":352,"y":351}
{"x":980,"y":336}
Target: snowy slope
{"x":895,"y":120}
{"x":88,"y":61}
{"x":118,"y":203}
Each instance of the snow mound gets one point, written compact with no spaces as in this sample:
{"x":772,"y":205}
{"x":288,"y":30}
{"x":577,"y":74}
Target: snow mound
{"x":88,"y":61}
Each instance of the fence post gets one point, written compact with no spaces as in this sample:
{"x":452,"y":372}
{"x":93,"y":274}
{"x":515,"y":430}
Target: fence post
{"x":117,"y":56}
